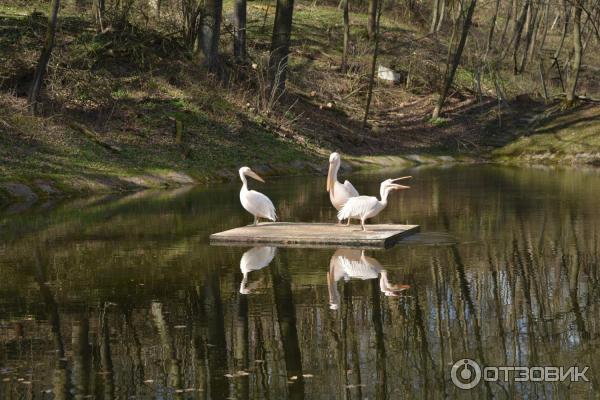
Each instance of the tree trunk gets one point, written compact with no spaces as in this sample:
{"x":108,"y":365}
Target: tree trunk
{"x":452,"y":64}
{"x":98,"y":11}
{"x":441,"y":15}
{"x":525,"y":14}
{"x":530,"y":35}
{"x":42,"y":65}
{"x":371,"y":28}
{"x":346,"y":36}
{"x":280,"y":43}
{"x":488,"y":47}
{"x":210,"y":28}
{"x":373,"y":68}
{"x":564,"y":31}
{"x":239,"y":30}
{"x":434,"y":16}
{"x":577,"y":52}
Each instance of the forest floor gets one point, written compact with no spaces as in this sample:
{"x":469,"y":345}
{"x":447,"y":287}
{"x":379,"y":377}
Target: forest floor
{"x":113,"y":102}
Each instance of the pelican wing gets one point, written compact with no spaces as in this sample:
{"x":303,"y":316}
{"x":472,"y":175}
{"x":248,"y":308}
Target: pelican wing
{"x":260,"y":205}
{"x":357,"y":207}
{"x":358,"y":268}
{"x":351,"y":190}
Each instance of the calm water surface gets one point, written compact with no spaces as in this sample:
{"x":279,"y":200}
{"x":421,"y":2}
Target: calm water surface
{"x":120,"y":297}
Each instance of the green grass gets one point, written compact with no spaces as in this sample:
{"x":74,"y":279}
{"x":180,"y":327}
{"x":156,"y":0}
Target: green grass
{"x":573,"y":136}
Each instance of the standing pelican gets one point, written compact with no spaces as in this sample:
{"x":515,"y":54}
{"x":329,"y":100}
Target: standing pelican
{"x":253,"y":260}
{"x":338,"y":193}
{"x":254,"y":202}
{"x":365,"y":207}
{"x":351,"y":263}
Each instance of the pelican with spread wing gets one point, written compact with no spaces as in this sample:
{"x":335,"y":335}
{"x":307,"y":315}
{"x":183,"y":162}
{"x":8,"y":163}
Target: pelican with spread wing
{"x":365,"y":207}
{"x":339,"y":193}
{"x":255,"y":202}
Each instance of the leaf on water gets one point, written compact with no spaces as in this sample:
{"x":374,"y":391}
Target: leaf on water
{"x":178,"y":390}
{"x":26,"y":382}
{"x":307,"y":375}
{"x":242,"y":373}
{"x":259,"y":361}
{"x":180,"y":326}
{"x":228,"y":376}
{"x":190,"y":389}
{"x":149,"y":381}
{"x":293,"y":378}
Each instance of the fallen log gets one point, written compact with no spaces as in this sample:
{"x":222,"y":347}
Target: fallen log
{"x":90,"y":134}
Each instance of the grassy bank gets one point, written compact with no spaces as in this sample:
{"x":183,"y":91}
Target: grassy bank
{"x":567,"y":138}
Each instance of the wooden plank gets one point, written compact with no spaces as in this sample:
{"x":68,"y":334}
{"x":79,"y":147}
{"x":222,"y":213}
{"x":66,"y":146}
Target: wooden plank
{"x":294,"y":234}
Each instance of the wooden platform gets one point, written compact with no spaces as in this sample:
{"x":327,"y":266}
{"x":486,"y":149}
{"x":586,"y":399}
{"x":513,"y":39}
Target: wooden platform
{"x":293,"y":234}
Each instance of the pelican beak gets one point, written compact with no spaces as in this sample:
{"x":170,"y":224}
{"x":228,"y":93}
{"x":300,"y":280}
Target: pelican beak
{"x":401,"y":178}
{"x":330,"y":183}
{"x":398,"y":187}
{"x":254,"y":175}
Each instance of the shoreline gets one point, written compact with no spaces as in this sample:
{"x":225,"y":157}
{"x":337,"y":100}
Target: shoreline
{"x":30,"y":191}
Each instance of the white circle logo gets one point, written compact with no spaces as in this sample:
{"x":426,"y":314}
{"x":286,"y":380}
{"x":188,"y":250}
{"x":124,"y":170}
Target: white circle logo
{"x":465,"y":373}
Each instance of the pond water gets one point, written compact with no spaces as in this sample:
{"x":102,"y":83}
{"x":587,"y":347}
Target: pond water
{"x":122,"y":296}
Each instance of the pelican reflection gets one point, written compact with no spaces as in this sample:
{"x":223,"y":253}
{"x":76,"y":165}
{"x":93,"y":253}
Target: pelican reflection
{"x":354,"y":264}
{"x":253,"y":260}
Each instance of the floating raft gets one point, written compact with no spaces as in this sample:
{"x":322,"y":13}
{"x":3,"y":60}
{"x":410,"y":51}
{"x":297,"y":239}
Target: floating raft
{"x":293,"y":234}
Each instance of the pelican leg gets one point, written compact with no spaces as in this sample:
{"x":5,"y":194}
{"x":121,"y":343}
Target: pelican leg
{"x":362,"y":223}
{"x":255,"y":220}
{"x":348,"y":222}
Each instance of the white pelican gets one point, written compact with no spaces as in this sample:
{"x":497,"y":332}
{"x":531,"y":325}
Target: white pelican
{"x":365,"y":207}
{"x":338,"y":193}
{"x":253,"y":260}
{"x":254,"y":202}
{"x":350,"y":263}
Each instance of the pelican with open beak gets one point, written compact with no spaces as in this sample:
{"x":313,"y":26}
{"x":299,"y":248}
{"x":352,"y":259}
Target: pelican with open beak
{"x":255,"y":202}
{"x":338,"y":193}
{"x":365,"y":207}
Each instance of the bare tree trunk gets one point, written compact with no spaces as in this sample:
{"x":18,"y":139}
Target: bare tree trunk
{"x":442,"y":13}
{"x":488,"y":47}
{"x":517,"y":28}
{"x":509,"y":17}
{"x":530,"y":35}
{"x":239,"y":30}
{"x":373,"y":68}
{"x":42,"y":65}
{"x":346,"y":36}
{"x":564,"y":31}
{"x":434,"y":16}
{"x":521,"y":22}
{"x":577,"y":51}
{"x":372,"y":22}
{"x":280,"y":43}
{"x":98,"y":11}
{"x":452,"y":63}
{"x":210,"y":28}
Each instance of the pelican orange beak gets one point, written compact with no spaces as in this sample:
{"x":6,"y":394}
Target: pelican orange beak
{"x":330,"y":182}
{"x":254,"y":175}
